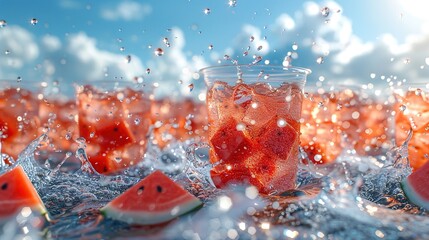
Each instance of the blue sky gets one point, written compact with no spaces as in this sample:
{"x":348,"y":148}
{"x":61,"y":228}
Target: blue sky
{"x":360,"y":41}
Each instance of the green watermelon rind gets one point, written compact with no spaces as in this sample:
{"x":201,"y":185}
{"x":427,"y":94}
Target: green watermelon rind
{"x":149,"y":218}
{"x":412,"y":195}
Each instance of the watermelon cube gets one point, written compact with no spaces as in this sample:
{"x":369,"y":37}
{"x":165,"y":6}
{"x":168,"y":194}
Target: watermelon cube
{"x":229,"y":144}
{"x":278,"y":138}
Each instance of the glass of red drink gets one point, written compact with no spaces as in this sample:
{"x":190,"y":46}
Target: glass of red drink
{"x":412,"y":114}
{"x":114,"y":118}
{"x":254,"y":113}
{"x":19,"y":109}
{"x":354,"y":117}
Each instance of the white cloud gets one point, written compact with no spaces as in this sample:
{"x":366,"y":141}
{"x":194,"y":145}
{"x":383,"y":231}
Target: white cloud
{"x":81,"y":59}
{"x":128,"y":11}
{"x":19,"y":47}
{"x":51,"y":43}
{"x":69,"y":4}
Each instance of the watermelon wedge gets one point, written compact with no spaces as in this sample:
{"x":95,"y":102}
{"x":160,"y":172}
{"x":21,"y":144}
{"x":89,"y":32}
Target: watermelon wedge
{"x":16,"y":192}
{"x":415,"y":187}
{"x":155,"y":199}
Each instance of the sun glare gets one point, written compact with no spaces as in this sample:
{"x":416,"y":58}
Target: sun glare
{"x":415,"y":8}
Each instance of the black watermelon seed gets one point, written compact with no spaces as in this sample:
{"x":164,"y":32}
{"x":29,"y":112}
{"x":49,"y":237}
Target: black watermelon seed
{"x":159,"y":188}
{"x":4,"y":186}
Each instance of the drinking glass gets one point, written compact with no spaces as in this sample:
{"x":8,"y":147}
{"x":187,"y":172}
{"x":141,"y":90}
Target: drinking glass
{"x":19,"y":109}
{"x":253,"y":114}
{"x":412,"y":114}
{"x":353,"y":117}
{"x":114,"y":119}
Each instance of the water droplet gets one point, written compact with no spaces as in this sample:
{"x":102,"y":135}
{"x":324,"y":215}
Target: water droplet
{"x":402,"y":108}
{"x":121,"y":49}
{"x":128,"y":59}
{"x":245,"y":53}
{"x":226,"y":57}
{"x":191,"y":87}
{"x":137,"y":121}
{"x":325,"y":11}
{"x":68,"y":136}
{"x":407,"y":61}
{"x":92,"y":134}
{"x":317,"y":157}
{"x":240,"y":127}
{"x":287,"y":61}
{"x":260,"y":73}
{"x":294,"y":46}
{"x":159,"y":52}
{"x":81,"y":141}
{"x":118,"y":159}
{"x":34,"y":21}
{"x":418,"y":92}
{"x":19,"y":79}
{"x":232,"y":3}
{"x":281,"y":123}
{"x":166,"y":42}
{"x":320,"y":60}
{"x":210,"y":47}
{"x":252,"y":38}
{"x":257,"y":59}
{"x":7,"y":52}
{"x":207,"y":11}
{"x":148,"y":71}
{"x":3,"y":23}
{"x":259,"y":48}
{"x":267,"y":76}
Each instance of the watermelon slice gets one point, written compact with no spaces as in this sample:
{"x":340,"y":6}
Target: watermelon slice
{"x":415,"y":186}
{"x":16,"y":192}
{"x":155,"y":199}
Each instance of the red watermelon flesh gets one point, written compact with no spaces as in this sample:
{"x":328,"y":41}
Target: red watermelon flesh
{"x":155,"y":199}
{"x":16,"y":192}
{"x":223,"y":175}
{"x":229,"y":144}
{"x":416,"y":188}
{"x":278,"y":140}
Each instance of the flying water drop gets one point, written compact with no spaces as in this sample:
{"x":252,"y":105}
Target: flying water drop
{"x":191,"y":87}
{"x":232,"y":3}
{"x":159,"y":52}
{"x":325,"y":11}
{"x":128,"y":59}
{"x":3,"y":23}
{"x":294,"y":46}
{"x":34,"y":21}
{"x":320,"y":60}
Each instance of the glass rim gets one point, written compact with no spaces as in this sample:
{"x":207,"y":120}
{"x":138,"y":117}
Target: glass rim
{"x":300,"y":70}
